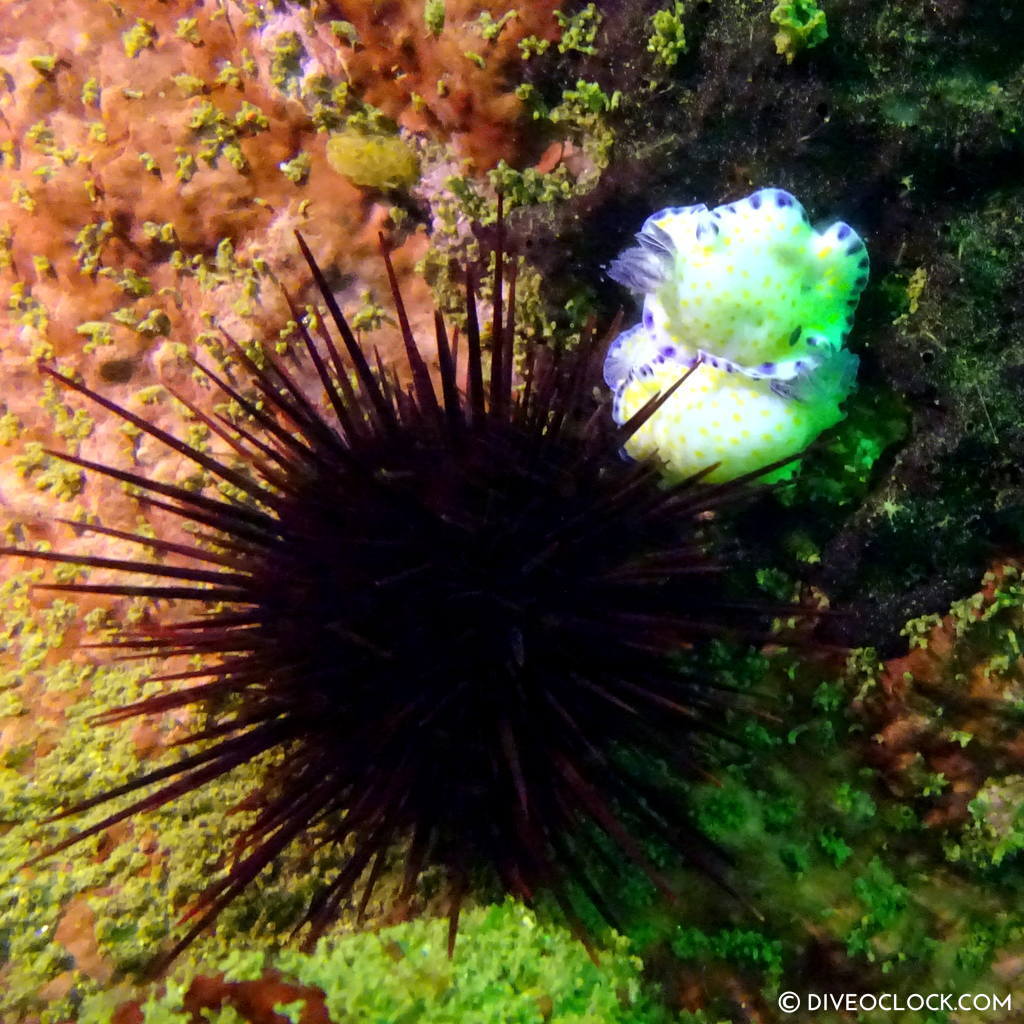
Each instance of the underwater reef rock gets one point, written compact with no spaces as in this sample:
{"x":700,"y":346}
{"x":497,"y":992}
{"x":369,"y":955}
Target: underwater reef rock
{"x":447,"y":68}
{"x":944,"y":716}
{"x":153,"y":161}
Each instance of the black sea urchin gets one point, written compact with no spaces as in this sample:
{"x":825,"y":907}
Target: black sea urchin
{"x":452,"y":612}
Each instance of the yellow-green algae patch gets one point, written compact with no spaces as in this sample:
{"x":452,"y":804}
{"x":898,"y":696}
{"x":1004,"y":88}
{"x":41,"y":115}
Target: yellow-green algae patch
{"x":135,"y":883}
{"x":802,"y":26}
{"x":375,"y":161}
{"x":510,"y":966}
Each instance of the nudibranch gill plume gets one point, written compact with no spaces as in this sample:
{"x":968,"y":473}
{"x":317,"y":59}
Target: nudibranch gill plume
{"x":759,"y":304}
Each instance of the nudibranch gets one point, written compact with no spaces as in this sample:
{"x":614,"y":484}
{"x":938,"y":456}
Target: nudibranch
{"x":759,"y":304}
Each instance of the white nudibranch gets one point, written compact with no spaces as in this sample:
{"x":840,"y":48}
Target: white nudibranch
{"x":761,"y":304}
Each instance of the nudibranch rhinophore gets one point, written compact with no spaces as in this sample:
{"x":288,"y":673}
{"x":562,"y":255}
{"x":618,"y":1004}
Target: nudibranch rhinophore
{"x":760,"y":303}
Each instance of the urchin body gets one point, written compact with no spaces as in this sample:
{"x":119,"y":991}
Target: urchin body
{"x":452,"y":612}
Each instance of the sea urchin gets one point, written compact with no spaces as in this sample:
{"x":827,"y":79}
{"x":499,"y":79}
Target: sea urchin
{"x":451,"y":610}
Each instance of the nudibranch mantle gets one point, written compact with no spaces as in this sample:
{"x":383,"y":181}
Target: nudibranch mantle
{"x":761,"y":303}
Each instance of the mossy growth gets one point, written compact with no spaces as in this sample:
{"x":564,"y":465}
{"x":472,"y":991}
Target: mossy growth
{"x":802,"y":26}
{"x":579,"y":30}
{"x":286,"y":56}
{"x":668,"y":34}
{"x":995,"y":833}
{"x":434,"y":16}
{"x":45,"y":64}
{"x":828,"y":859}
{"x":508,"y":967}
{"x":838,"y":470}
{"x":10,"y":427}
{"x":47,"y":473}
{"x":141,"y":36}
{"x":136,"y":884}
{"x":297,"y":169}
{"x":373,"y":161}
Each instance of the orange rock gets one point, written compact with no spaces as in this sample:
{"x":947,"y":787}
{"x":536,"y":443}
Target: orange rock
{"x":255,"y":1000}
{"x":119,"y":183}
{"x":397,"y":60}
{"x":76,"y":932}
{"x":947,"y":685}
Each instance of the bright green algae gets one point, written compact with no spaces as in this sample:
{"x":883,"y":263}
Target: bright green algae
{"x":137,"y":887}
{"x":509,"y":968}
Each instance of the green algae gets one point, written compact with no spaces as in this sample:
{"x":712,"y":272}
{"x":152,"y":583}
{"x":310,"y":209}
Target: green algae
{"x":434,"y":17}
{"x":802,"y":26}
{"x":510,"y":967}
{"x":296,"y":170}
{"x":374,"y":161}
{"x":188,"y":29}
{"x":668,"y":34}
{"x":887,"y":888}
{"x":137,"y":887}
{"x":286,"y":55}
{"x":45,"y":64}
{"x":141,"y":36}
{"x":579,"y":30}
{"x":47,"y":473}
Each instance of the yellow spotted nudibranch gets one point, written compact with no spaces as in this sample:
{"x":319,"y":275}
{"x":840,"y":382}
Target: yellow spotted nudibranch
{"x":760,"y":303}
